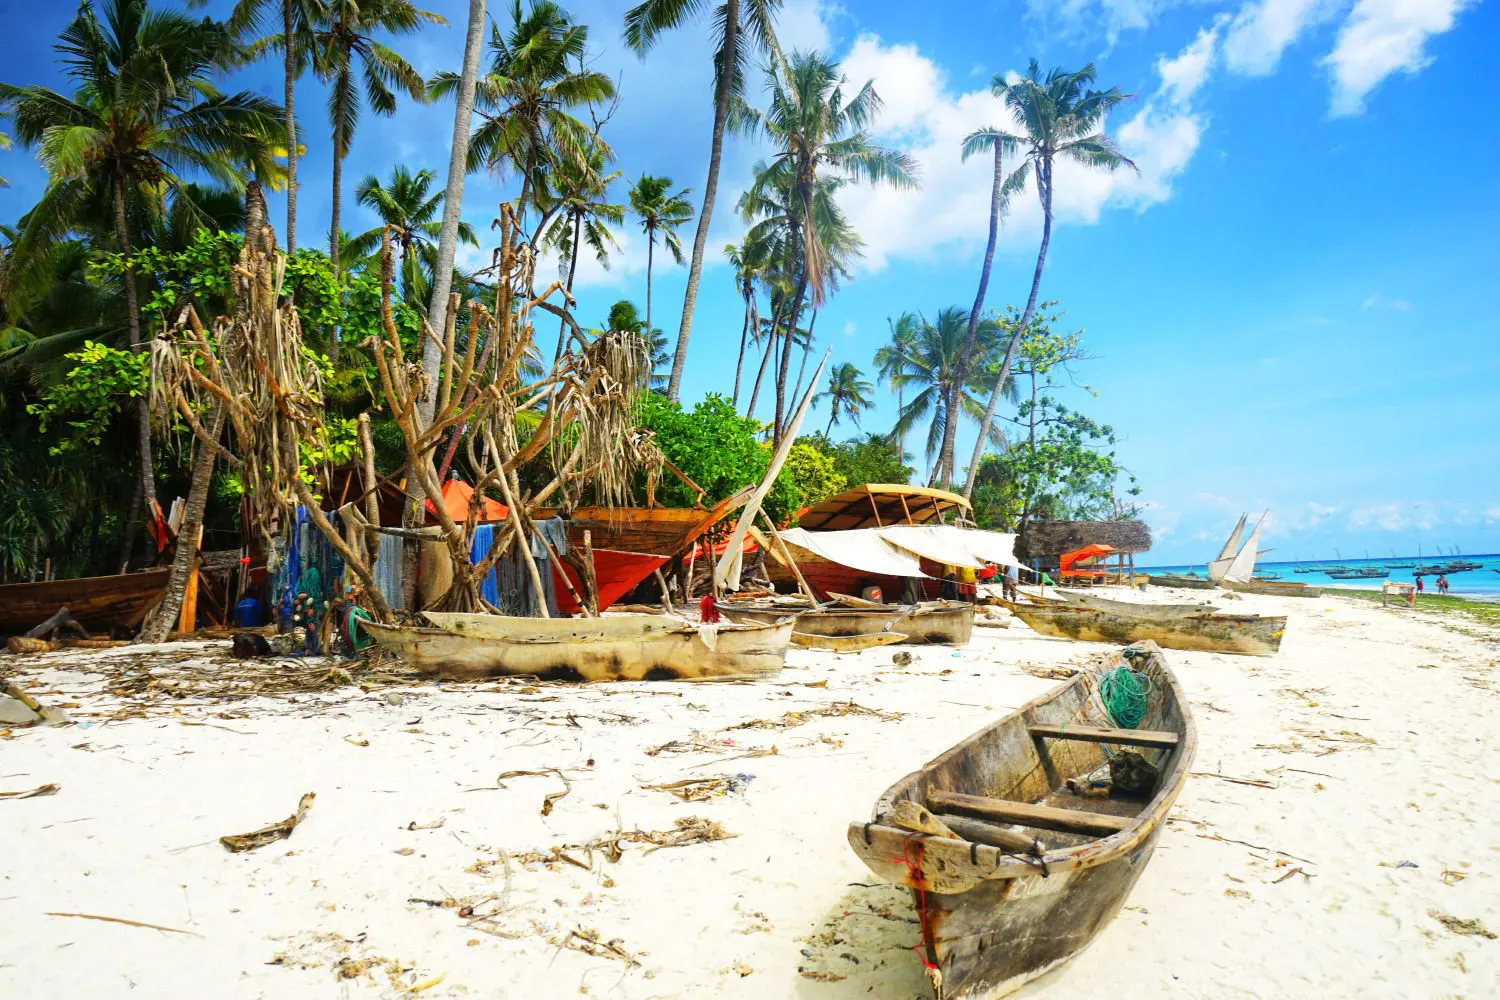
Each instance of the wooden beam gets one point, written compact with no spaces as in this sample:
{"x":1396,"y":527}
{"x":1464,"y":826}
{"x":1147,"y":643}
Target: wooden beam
{"x":875,"y":507}
{"x":1093,"y":734}
{"x":981,"y":832}
{"x":1026,"y":814}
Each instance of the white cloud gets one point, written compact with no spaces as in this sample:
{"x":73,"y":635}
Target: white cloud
{"x":1395,"y":517}
{"x":1381,"y":37}
{"x":1492,"y":515}
{"x":927,"y":119}
{"x":1162,"y":520}
{"x":1378,"y":301}
{"x":1182,"y":75}
{"x":1085,"y":17}
{"x":803,"y":24}
{"x":850,"y":328}
{"x":1261,"y":31}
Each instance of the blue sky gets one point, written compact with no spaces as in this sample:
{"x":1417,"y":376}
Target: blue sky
{"x":1290,"y":308}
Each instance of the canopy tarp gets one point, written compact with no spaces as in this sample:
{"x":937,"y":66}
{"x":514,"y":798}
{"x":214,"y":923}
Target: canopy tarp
{"x":862,"y":549}
{"x":458,"y":497}
{"x":1068,"y":560}
{"x":952,"y":545}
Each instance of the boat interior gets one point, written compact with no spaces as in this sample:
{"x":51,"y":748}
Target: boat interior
{"x":1058,"y":771}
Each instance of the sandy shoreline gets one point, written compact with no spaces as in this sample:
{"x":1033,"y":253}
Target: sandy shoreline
{"x":1373,"y":730}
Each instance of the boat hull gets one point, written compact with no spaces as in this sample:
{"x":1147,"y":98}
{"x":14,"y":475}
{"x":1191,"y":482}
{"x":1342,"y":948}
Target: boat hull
{"x":1126,"y":607}
{"x":992,"y":920}
{"x":950,"y":622}
{"x":1172,"y":580}
{"x":99,"y":603}
{"x":666,"y":530}
{"x":617,"y":573}
{"x":1273,"y":589}
{"x":1252,"y":635}
{"x":594,"y":649}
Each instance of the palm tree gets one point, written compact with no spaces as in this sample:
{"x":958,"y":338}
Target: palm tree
{"x":744,"y":284}
{"x":932,"y":369}
{"x":4,"y":144}
{"x":581,"y":196}
{"x":660,"y":214}
{"x":1058,"y":115}
{"x":743,"y":29}
{"x":848,"y":395}
{"x":297,"y":20}
{"x":343,"y":42}
{"x":409,"y":206}
{"x":144,"y":112}
{"x":536,"y":78}
{"x":817,"y":131}
{"x":893,"y":360}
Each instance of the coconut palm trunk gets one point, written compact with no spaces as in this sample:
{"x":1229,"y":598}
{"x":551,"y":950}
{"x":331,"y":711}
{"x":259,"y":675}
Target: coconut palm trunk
{"x":1044,"y":190}
{"x":165,"y":614}
{"x":453,"y":199}
{"x":739,"y":366}
{"x":291,"y":126}
{"x":725,"y":85}
{"x":760,"y":375}
{"x":650,"y":257}
{"x":950,"y":433}
{"x":786,"y":352}
{"x":133,"y":324}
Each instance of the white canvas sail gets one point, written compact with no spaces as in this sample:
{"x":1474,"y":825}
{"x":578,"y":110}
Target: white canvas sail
{"x":1217,"y":567}
{"x":1243,"y":566}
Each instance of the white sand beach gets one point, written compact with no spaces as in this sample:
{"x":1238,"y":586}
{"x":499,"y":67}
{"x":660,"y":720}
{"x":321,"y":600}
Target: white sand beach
{"x":1340,"y":836}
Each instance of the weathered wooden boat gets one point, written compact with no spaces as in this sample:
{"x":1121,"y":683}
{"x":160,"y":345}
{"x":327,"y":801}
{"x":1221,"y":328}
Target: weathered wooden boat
{"x":613,"y":648}
{"x":1178,"y":580}
{"x":1129,"y":607}
{"x":1021,"y":875}
{"x":1255,"y":635}
{"x":99,"y":603}
{"x":929,"y":622}
{"x":663,"y":530}
{"x":617,"y":574}
{"x":846,"y":643}
{"x":1272,"y":589}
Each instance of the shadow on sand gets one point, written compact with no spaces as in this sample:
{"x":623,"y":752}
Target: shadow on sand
{"x":863,"y":948}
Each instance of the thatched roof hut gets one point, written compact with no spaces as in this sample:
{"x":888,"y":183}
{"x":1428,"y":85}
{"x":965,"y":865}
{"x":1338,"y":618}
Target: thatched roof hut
{"x":1044,"y":541}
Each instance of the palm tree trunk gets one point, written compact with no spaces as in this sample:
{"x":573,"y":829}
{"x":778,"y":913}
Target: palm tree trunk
{"x":132,"y":525}
{"x":291,"y":127}
{"x":723,"y":86}
{"x":453,"y":201}
{"x":786,"y":356}
{"x":1044,"y":192}
{"x":165,"y":614}
{"x":806,"y":350}
{"x":562,"y":324}
{"x":650,"y":254}
{"x":950,"y":433}
{"x":765,"y":362}
{"x":833,"y":414}
{"x":133,"y":324}
{"x":739,"y":366}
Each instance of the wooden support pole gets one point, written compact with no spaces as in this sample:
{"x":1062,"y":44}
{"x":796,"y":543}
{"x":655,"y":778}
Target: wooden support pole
{"x":787,"y":555}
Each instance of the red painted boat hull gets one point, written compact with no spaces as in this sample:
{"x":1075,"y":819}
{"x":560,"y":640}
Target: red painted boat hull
{"x":617,"y":571}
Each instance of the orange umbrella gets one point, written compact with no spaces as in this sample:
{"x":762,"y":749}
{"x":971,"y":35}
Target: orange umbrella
{"x":458,"y":499}
{"x":1068,"y":560}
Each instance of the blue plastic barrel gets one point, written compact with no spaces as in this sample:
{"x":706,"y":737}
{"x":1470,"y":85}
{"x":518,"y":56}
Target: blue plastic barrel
{"x":249,"y":614}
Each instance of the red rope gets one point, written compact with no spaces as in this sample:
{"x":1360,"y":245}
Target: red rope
{"x":914,"y":873}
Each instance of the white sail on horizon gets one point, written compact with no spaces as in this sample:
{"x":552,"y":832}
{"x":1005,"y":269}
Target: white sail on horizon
{"x":1242,"y":569}
{"x":1217,"y":567}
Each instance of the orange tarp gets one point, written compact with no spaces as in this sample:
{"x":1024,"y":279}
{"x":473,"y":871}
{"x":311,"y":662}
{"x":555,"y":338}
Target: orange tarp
{"x":1068,"y":560}
{"x":458,"y":497}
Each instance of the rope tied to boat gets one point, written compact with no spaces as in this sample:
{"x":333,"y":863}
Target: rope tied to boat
{"x":1126,"y":694}
{"x":918,"y":882}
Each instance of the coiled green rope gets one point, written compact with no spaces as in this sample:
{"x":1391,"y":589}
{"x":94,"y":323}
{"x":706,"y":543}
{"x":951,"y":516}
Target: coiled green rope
{"x":1126,"y":694}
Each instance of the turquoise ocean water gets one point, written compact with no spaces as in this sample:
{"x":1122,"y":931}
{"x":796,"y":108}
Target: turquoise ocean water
{"x":1483,"y":582}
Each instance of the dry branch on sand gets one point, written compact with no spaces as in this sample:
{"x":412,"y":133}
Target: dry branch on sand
{"x":793,"y":719}
{"x":238,"y":842}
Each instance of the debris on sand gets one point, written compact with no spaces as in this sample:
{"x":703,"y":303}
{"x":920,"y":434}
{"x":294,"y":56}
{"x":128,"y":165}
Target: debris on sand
{"x":1462,"y":927}
{"x":793,"y":719}
{"x":33,"y":793}
{"x":703,"y":789}
{"x":238,"y":842}
{"x":686,"y":831}
{"x":587,"y":941}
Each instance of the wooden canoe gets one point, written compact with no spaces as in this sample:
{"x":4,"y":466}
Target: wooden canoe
{"x":1174,"y":580}
{"x":992,"y":917}
{"x":99,"y":603}
{"x":1254,"y":635}
{"x":613,"y":648}
{"x":665,"y":530}
{"x":846,"y":643}
{"x":1272,"y":589}
{"x":1130,"y":607}
{"x":930,"y":622}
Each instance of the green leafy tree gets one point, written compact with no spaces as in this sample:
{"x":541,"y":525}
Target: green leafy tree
{"x":1057,"y":115}
{"x":816,"y":129}
{"x":144,"y":113}
{"x":872,"y":458}
{"x":742,"y":29}
{"x":662,"y":214}
{"x":344,"y":44}
{"x":412,"y":208}
{"x":893,"y":358}
{"x":848,"y":394}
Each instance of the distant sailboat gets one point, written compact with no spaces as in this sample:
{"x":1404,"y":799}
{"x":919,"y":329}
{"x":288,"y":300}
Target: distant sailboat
{"x":1217,"y":567}
{"x":1241,"y":569}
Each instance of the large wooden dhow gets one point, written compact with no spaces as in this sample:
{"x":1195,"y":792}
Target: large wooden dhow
{"x":1254,"y":635}
{"x":930,"y":622}
{"x":612,"y":648}
{"x":1012,"y":874}
{"x":99,"y":603}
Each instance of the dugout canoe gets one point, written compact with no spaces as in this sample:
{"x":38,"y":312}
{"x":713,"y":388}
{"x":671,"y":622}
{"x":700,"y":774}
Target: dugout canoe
{"x":1254,"y":635}
{"x":613,"y":648}
{"x":1174,"y":580}
{"x":1273,"y":589}
{"x":949,"y":622}
{"x":1069,"y":597}
{"x":1026,"y":874}
{"x":846,"y":643}
{"x":99,"y":603}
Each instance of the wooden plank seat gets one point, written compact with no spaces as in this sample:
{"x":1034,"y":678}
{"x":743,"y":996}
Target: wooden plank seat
{"x":1026,"y":814}
{"x":1096,"y":734}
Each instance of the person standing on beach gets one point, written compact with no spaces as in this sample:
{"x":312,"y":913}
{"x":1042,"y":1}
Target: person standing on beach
{"x":1419,"y":584}
{"x":1442,"y":582}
